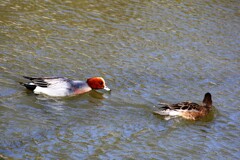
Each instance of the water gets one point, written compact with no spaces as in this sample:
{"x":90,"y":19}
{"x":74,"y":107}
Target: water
{"x":148,"y":52}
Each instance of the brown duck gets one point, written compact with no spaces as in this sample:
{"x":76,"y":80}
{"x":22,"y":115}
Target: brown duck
{"x":187,"y":110}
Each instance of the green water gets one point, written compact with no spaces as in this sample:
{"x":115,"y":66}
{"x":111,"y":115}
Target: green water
{"x":147,"y":51}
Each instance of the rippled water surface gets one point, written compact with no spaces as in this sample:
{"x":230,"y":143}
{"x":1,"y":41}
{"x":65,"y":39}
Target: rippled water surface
{"x":147,"y":51}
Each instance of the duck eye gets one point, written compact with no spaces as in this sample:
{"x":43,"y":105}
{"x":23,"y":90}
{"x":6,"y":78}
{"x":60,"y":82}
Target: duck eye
{"x":101,"y":83}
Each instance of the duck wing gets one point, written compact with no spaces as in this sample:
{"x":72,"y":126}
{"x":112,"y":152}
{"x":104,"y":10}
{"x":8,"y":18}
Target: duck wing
{"x":184,"y":106}
{"x":49,"y":81}
{"x":177,"y":109}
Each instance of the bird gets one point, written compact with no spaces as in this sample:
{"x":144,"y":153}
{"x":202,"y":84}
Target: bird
{"x":62,"y":86}
{"x":188,"y":110}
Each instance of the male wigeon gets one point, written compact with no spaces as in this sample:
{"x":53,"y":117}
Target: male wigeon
{"x":61,"y":86}
{"x":187,"y":110}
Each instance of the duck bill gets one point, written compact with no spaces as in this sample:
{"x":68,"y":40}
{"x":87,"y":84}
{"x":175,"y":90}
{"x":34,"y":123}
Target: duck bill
{"x":106,"y":88}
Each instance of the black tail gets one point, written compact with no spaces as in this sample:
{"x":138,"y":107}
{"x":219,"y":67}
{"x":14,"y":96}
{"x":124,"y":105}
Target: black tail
{"x":30,"y":78}
{"x":208,"y":99}
{"x":29,"y":86}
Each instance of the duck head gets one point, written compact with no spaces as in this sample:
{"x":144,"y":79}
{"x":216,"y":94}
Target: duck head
{"x":97,"y":83}
{"x":208,"y":100}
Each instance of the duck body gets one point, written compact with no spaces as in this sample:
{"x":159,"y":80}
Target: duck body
{"x":187,"y":110}
{"x":62,"y":86}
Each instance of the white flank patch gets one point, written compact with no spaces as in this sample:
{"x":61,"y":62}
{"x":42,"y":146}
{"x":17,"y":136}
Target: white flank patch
{"x":174,"y":112}
{"x":55,"y":92}
{"x":169,"y":112}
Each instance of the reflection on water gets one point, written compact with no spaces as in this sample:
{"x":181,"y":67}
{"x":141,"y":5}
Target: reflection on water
{"x":148,"y":52}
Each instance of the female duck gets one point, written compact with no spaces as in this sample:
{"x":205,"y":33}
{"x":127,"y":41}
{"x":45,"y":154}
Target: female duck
{"x":188,"y":110}
{"x":61,"y":86}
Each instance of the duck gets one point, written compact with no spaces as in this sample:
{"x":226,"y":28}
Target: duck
{"x":188,"y":110}
{"x":62,"y":86}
